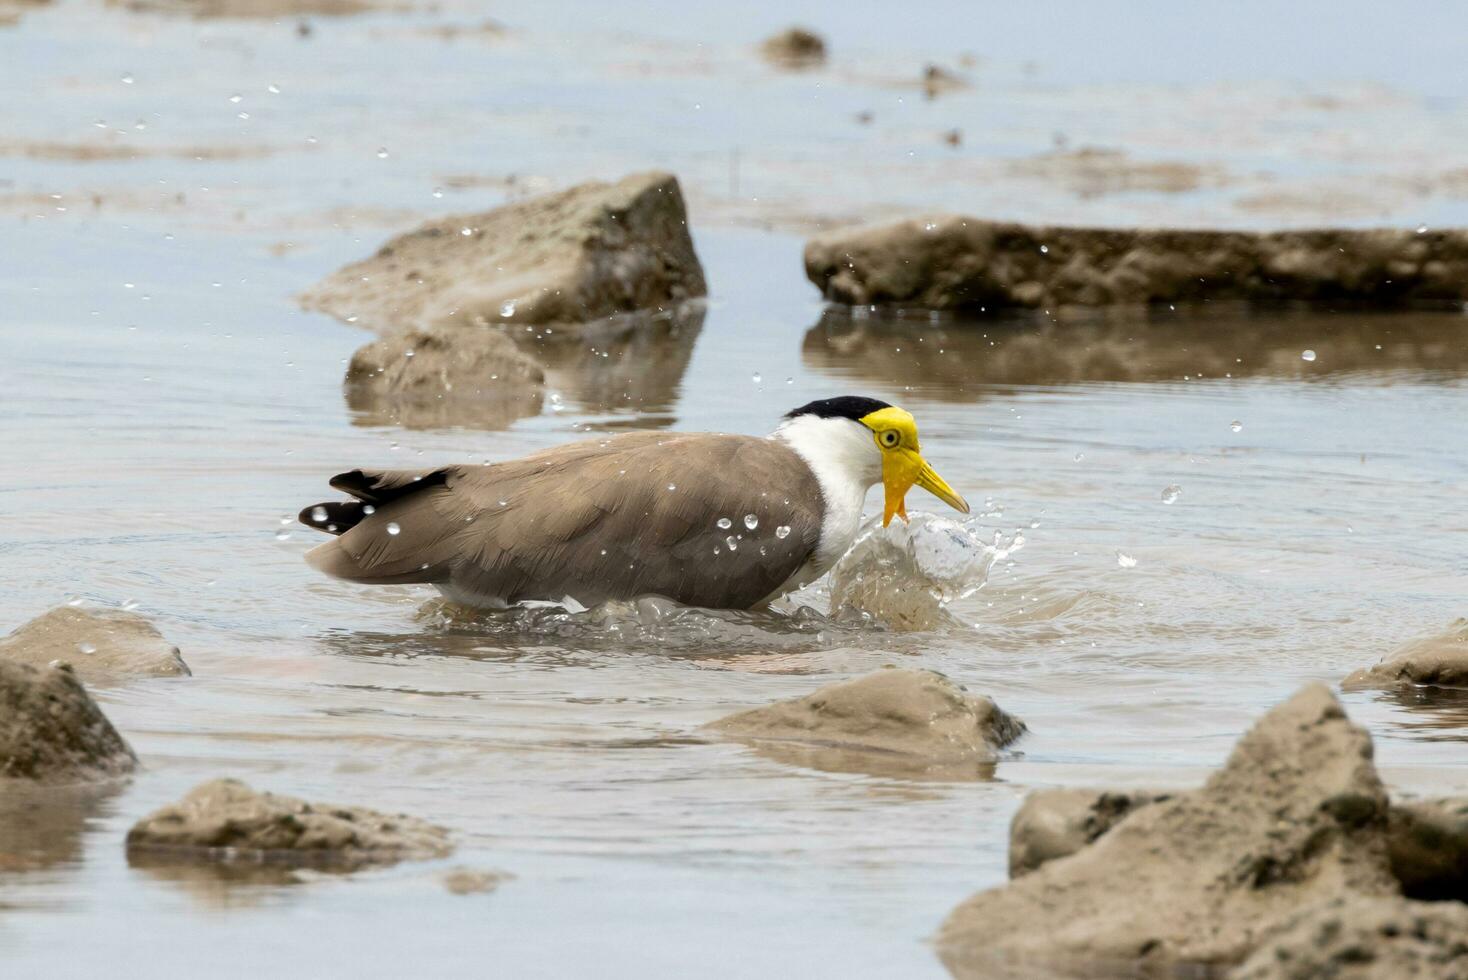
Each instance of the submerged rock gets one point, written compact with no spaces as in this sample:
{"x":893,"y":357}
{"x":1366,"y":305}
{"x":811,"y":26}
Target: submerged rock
{"x":470,"y":881}
{"x":435,"y":377}
{"x":795,"y":47}
{"x":952,"y":262}
{"x":1297,"y":815}
{"x":565,"y":258}
{"x":1357,"y":937}
{"x":52,"y":730}
{"x":1055,"y":823}
{"x":1439,"y":660}
{"x":1428,"y":844}
{"x":225,"y":820}
{"x":891,"y":722}
{"x":102,"y":645}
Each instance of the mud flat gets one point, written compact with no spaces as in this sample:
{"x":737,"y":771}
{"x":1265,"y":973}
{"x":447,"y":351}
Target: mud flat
{"x":226,"y":821}
{"x":567,"y":258}
{"x":51,"y":730}
{"x":951,"y":262}
{"x":892,"y":722}
{"x":1293,"y":838}
{"x":1439,"y":660}
{"x":102,"y":646}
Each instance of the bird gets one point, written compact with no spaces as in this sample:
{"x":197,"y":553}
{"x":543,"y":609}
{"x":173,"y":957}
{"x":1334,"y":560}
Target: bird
{"x":705,"y":519}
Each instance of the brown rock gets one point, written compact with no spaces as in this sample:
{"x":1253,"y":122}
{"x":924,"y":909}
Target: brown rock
{"x":950,"y":262}
{"x":102,"y":645}
{"x":468,"y":881}
{"x":51,"y":729}
{"x":893,"y":722}
{"x":1056,"y":823}
{"x":436,"y":377}
{"x":1297,"y":815}
{"x":1428,"y":843}
{"x":1440,"y":660}
{"x":795,"y":48}
{"x":1357,"y":937}
{"x":225,"y":820}
{"x":565,"y":258}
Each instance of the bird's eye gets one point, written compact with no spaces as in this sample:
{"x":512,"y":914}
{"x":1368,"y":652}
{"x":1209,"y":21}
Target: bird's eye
{"x":889,"y":438}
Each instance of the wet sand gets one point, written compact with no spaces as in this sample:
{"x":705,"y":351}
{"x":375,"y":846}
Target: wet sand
{"x":170,"y":405}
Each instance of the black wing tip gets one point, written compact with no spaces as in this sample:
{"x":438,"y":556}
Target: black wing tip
{"x":332,"y":516}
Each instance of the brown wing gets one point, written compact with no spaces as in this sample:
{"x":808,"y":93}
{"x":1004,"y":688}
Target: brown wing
{"x":615,"y":518}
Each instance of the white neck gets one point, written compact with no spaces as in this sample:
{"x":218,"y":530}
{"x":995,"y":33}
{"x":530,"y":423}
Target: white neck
{"x":846,"y":463}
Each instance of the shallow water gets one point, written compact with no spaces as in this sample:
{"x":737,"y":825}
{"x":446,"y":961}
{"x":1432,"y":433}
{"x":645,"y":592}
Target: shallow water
{"x":159,"y":427}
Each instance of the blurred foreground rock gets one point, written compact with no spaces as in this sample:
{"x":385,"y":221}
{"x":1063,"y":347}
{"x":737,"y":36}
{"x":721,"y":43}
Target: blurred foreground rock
{"x":102,"y":645}
{"x":1439,"y":660}
{"x":1357,"y":937}
{"x":426,"y":377}
{"x":1295,"y":817}
{"x":1055,"y":823}
{"x":795,"y":48}
{"x":952,"y":262}
{"x":225,"y":820}
{"x":891,"y":722}
{"x":52,"y":730}
{"x":1428,"y":843}
{"x":565,"y":258}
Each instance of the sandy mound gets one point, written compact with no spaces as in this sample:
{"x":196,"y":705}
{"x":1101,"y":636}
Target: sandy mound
{"x":1296,"y":816}
{"x":1054,"y":823}
{"x":1361,"y":938}
{"x":566,"y":258}
{"x":102,"y":645}
{"x":51,"y":729}
{"x":795,"y":48}
{"x":951,"y":262}
{"x":1440,"y":660}
{"x":892,"y":722}
{"x":1428,"y":843}
{"x":431,"y":378}
{"x":225,"y":820}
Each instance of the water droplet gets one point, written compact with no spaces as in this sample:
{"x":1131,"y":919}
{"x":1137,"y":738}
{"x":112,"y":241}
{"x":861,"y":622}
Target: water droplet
{"x":755,"y":377}
{"x":1236,"y":425}
{"x":466,"y":232}
{"x":130,"y":605}
{"x":1125,"y":560}
{"x":733,"y":545}
{"x":750,"y":521}
{"x":86,"y":646}
{"x":236,"y":98}
{"x":1308,"y":355}
{"x":783,"y":531}
{"x":724,"y":523}
{"x":368,"y":509}
{"x":507,"y":309}
{"x":318,"y":514}
{"x":382,"y":153}
{"x":1421,"y":229}
{"x":282,"y":535}
{"x":273,"y":88}
{"x":438,"y":192}
{"x":1044,"y":249}
{"x":672,"y":486}
{"x":1170,"y":493}
{"x":127,"y":79}
{"x":557,"y":403}
{"x":1080,"y":456}
{"x":393,"y":529}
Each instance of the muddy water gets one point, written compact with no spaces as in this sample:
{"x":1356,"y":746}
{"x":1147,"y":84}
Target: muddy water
{"x":167,"y":405}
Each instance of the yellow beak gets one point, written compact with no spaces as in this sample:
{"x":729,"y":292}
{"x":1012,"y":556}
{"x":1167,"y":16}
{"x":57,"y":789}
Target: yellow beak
{"x":901,"y":468}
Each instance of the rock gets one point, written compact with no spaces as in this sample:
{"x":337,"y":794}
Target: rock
{"x":1357,"y":937}
{"x":1439,"y":660}
{"x":225,"y":820}
{"x":952,"y":262}
{"x":468,"y":881}
{"x":899,"y":722}
{"x":102,"y":645}
{"x":938,"y":80}
{"x":795,"y":48}
{"x":1295,"y":816}
{"x":1055,"y":823}
{"x":565,"y":258}
{"x":52,"y":730}
{"x":432,"y":377}
{"x":1428,"y":844}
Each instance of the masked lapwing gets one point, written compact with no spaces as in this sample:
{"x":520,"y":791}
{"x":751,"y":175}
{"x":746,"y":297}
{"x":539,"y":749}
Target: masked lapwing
{"x":705,"y":519}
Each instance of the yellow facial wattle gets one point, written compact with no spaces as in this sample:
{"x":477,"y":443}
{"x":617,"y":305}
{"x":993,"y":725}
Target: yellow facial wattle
{"x":903,"y":465}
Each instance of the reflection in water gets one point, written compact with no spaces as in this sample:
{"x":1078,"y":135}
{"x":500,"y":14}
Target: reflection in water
{"x":870,"y":762}
{"x":41,"y":826}
{"x":220,"y":884}
{"x":491,"y":410}
{"x":957,"y":357}
{"x":627,"y":363}
{"x":1436,"y":714}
